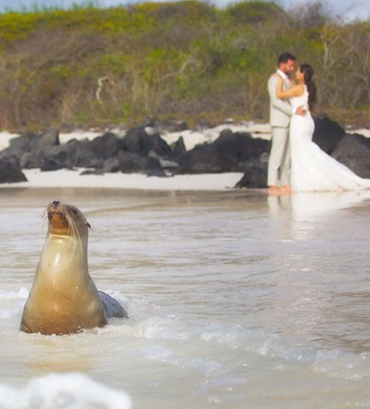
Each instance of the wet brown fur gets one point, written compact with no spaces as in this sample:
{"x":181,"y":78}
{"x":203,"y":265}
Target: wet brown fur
{"x":63,"y":298}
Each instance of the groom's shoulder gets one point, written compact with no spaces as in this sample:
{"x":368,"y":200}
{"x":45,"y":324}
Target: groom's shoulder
{"x":273,"y":77}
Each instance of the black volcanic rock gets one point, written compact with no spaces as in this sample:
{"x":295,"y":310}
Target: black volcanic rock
{"x":97,"y":172}
{"x":107,"y":145}
{"x":354,"y":152}
{"x":255,"y":173}
{"x":138,"y":142}
{"x":81,"y":154}
{"x":205,"y":159}
{"x":18,"y":146}
{"x":28,"y":150}
{"x":22,"y":144}
{"x":74,"y":154}
{"x":178,"y":147}
{"x":154,"y":168}
{"x":327,"y":133}
{"x":47,"y":139}
{"x":30,"y":160}
{"x":229,"y":153}
{"x":254,"y":177}
{"x":240,"y":145}
{"x":56,"y":157}
{"x":111,"y":165}
{"x":10,"y":172}
{"x":132,"y":163}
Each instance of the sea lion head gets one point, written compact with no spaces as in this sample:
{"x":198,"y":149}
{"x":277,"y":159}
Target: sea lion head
{"x":65,"y":219}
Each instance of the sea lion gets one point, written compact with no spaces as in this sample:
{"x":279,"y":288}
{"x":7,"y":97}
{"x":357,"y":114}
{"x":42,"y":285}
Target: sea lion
{"x":64,"y":298}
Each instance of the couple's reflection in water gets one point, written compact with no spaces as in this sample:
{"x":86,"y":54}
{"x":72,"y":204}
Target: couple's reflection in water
{"x":316,"y":236}
{"x":300,"y":213}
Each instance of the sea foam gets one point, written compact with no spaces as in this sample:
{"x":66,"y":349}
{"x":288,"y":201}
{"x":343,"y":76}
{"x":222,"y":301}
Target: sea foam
{"x":72,"y":391}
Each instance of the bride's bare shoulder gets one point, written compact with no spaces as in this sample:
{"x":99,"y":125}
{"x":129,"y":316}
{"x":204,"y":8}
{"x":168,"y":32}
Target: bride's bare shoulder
{"x":300,"y":89}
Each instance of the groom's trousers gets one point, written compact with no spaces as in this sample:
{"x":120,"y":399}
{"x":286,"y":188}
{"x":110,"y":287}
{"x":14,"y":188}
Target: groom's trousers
{"x":279,"y":161}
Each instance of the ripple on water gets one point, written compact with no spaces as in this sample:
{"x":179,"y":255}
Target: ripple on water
{"x":232,"y":302}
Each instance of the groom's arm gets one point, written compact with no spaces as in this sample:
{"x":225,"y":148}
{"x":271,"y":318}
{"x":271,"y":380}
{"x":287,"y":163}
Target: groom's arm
{"x":278,"y":103}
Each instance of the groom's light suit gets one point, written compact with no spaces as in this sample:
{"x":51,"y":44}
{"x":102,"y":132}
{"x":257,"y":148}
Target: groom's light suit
{"x":280,"y":114}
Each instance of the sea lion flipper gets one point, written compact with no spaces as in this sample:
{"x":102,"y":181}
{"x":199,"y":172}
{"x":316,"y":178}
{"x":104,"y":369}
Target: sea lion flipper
{"x":24,"y":327}
{"x":112,"y":307}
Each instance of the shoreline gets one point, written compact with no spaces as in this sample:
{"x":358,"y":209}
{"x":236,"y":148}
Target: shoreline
{"x":64,"y":178}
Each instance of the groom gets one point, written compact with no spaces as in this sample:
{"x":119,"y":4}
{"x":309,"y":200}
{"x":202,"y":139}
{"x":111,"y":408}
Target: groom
{"x":278,"y":177}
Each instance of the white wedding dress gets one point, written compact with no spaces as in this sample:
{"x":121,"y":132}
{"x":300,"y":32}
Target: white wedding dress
{"x":311,"y":168}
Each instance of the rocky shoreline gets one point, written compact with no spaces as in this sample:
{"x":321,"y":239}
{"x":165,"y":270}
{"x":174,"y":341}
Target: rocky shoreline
{"x":143,"y":150}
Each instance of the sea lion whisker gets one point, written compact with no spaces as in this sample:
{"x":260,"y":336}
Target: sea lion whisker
{"x":74,"y":231}
{"x":43,"y":225}
{"x":76,"y":243}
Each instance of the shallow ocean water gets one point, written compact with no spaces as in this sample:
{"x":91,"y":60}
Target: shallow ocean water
{"x":236,"y":300}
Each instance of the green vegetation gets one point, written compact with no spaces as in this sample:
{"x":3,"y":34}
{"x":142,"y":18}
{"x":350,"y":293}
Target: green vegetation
{"x":190,"y":60}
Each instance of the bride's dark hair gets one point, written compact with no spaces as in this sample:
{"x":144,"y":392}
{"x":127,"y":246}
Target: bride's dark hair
{"x":308,"y":72}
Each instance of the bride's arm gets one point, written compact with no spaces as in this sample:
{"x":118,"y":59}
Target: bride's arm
{"x":295,"y":91}
{"x":275,"y":102}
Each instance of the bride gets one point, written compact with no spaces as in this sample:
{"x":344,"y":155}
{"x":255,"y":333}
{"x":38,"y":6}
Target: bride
{"x":311,"y":168}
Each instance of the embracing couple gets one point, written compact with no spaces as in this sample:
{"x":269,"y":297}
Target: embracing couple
{"x":297,"y":164}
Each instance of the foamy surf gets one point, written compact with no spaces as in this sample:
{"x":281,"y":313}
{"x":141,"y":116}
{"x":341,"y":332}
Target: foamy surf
{"x":22,"y":294}
{"x":72,"y":391}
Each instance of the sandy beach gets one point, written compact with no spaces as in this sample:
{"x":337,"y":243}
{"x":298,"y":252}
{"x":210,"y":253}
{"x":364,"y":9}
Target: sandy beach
{"x":72,"y":179}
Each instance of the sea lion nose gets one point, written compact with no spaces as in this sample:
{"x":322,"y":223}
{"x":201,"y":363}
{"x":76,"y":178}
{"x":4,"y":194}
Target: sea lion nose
{"x":56,"y":202}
